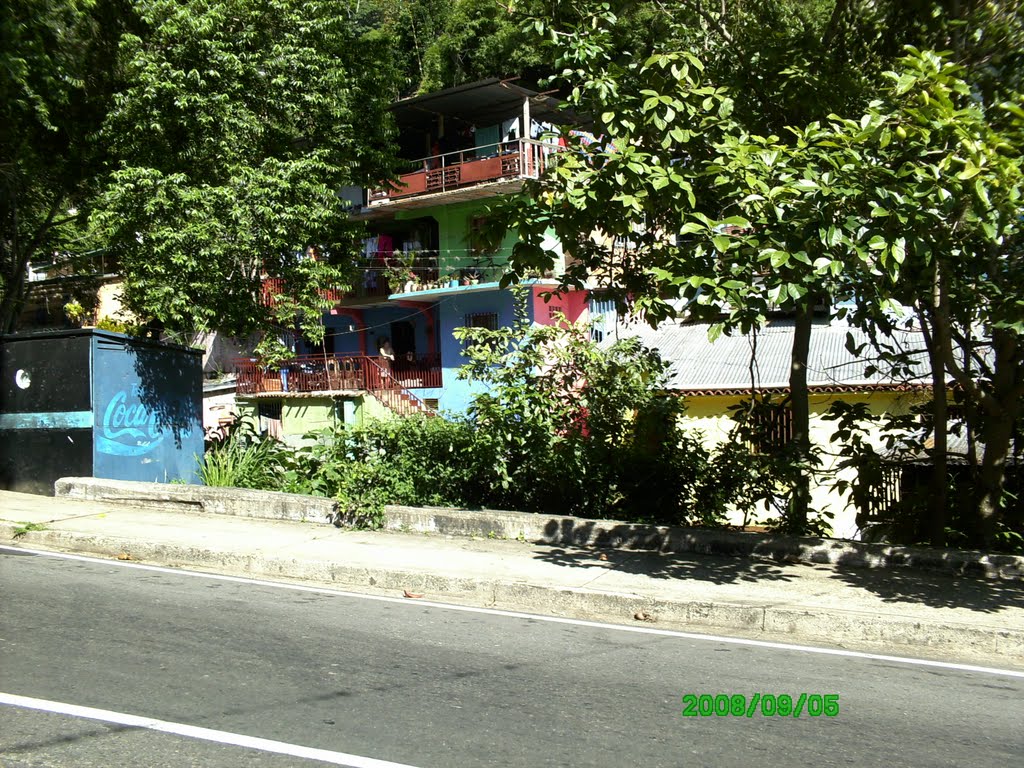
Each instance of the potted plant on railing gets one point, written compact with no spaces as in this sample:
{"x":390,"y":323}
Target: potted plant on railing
{"x":271,"y":353}
{"x":76,"y":314}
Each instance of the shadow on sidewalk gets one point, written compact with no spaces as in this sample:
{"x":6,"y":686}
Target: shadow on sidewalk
{"x":715,"y":570}
{"x":938,"y":590}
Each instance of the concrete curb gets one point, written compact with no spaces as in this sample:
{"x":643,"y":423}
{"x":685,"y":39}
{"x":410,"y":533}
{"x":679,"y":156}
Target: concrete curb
{"x":759,"y":621}
{"x":547,"y":529}
{"x":240,"y":502}
{"x":580,"y":532}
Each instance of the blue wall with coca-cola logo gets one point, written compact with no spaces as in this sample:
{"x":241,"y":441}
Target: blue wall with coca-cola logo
{"x":100,"y":404}
{"x":147,"y":401}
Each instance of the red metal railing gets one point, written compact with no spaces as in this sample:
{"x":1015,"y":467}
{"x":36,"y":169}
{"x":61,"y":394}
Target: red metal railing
{"x":376,"y":287}
{"x":383,"y":273}
{"x":522,"y":158}
{"x":388,"y":381}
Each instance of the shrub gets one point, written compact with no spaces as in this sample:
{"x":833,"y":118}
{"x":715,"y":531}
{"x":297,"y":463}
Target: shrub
{"x":244,"y":459}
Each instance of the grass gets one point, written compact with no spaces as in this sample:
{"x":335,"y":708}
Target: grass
{"x":23,"y":528}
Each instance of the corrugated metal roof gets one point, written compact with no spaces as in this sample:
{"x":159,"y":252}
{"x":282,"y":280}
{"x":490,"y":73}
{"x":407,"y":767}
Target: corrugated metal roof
{"x":730,"y":362}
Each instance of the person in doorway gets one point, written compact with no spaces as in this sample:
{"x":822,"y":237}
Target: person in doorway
{"x":387,"y":354}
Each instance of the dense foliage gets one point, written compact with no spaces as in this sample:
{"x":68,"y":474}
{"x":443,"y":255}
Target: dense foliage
{"x":564,"y":427}
{"x":57,"y":79}
{"x":202,"y":145}
{"x":896,"y":191}
{"x":235,"y":127}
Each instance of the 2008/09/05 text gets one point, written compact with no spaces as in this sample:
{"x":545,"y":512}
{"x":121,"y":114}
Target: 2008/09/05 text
{"x":765,"y":704}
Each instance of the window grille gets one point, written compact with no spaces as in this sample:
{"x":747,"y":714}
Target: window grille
{"x":771,"y":428}
{"x":269,"y":409}
{"x":488,"y":320}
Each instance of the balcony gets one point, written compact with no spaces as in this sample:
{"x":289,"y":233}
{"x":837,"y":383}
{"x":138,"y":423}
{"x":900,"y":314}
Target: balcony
{"x":458,"y":175}
{"x":323,"y":374}
{"x":386,"y":273}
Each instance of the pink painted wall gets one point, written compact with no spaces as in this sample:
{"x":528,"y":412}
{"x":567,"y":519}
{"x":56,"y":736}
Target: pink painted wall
{"x":573,"y":304}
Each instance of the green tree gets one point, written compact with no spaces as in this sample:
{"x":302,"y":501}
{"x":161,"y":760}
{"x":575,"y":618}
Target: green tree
{"x":692,"y":197}
{"x":487,"y":38}
{"x":57,"y":78}
{"x":204,"y":144}
{"x":944,"y":219}
{"x":682,"y":203}
{"x":413,"y":27}
{"x":237,"y":125}
{"x":570,"y":427}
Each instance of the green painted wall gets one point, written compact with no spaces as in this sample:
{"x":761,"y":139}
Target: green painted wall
{"x":371,"y":408}
{"x":299,"y":416}
{"x":302,"y":415}
{"x":454,"y":223}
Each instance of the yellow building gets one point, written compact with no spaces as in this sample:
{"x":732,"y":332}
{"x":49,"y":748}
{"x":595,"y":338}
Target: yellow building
{"x":715,"y":377}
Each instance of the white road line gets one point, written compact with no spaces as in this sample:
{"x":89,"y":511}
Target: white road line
{"x":194,"y":732}
{"x":536,"y":617}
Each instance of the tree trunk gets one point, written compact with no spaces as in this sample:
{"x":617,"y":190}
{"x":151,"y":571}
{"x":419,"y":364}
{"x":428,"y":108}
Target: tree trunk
{"x":938,"y":502}
{"x":998,"y":432}
{"x":800,"y":404}
{"x":941,"y":341}
{"x":15,"y":293}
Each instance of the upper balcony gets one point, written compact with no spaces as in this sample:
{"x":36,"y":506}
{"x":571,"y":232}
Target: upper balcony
{"x":467,"y":174}
{"x":392,"y":274}
{"x":472,"y":141}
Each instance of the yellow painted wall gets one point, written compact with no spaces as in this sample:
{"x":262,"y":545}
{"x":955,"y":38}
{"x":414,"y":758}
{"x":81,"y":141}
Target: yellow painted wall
{"x":712,"y":417}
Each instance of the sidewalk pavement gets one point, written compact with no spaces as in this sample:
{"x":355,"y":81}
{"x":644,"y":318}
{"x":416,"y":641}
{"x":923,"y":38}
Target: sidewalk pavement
{"x":895,"y":611}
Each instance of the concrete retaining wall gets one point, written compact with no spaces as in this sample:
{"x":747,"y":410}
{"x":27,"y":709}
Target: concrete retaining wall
{"x":199,"y":498}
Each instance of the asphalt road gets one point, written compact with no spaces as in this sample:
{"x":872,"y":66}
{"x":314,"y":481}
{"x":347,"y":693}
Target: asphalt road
{"x":426,"y":686}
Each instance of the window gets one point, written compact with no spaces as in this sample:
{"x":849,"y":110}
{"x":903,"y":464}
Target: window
{"x":602,"y":317}
{"x":883,"y":495}
{"x":478,"y":237}
{"x":269,"y":409}
{"x":768,"y":426}
{"x":488,"y":320}
{"x":269,"y":418}
{"x":601,"y":306}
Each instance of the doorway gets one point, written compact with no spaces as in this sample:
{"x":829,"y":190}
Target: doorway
{"x":403,"y":338}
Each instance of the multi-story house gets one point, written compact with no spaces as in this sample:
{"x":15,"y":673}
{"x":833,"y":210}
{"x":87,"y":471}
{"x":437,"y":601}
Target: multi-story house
{"x":424,"y":271}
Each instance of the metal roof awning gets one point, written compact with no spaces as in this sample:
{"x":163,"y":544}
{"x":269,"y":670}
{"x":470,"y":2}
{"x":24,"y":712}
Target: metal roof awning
{"x":480,"y":103}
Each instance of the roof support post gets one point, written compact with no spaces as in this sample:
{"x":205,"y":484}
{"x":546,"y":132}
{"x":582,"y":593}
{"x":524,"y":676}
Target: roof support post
{"x":524,"y":134}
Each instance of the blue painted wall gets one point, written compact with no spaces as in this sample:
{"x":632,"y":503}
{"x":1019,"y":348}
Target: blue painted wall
{"x":147,"y":406}
{"x":375,"y":325}
{"x":456,"y":395}
{"x":344,"y":331}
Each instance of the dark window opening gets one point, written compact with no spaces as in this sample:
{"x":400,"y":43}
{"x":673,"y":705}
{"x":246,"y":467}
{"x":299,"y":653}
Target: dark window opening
{"x":770,"y":427}
{"x":488,"y":320}
{"x":269,"y":409}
